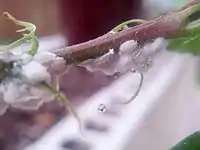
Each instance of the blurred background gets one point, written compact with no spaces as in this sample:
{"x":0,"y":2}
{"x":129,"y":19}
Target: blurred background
{"x":66,"y":22}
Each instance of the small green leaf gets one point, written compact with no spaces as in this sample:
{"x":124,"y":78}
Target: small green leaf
{"x":191,"y":142}
{"x":190,"y":42}
{"x":186,"y":44}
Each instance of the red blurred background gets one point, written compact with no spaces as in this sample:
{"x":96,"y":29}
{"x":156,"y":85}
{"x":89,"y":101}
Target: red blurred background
{"x":87,"y":19}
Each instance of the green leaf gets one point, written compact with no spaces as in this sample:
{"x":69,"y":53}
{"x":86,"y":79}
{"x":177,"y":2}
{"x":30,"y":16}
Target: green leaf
{"x":186,"y":44}
{"x":191,"y":142}
{"x":190,"y":42}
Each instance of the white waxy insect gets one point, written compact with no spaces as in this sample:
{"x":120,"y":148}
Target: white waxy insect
{"x":24,"y":96}
{"x":128,"y":46}
{"x":130,"y":56}
{"x":22,"y":89}
{"x":111,"y":62}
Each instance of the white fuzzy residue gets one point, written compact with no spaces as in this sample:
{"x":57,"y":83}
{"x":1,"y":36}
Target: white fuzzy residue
{"x":35,"y":72}
{"x":44,"y":58}
{"x":54,"y":63}
{"x":25,"y":96}
{"x":26,"y":58}
{"x":23,"y":90}
{"x":130,"y":56}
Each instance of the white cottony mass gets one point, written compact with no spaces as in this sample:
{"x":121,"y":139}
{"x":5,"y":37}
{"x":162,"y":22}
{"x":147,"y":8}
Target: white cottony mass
{"x":21,"y":87}
{"x":21,"y":75}
{"x":35,"y":72}
{"x":130,"y":56}
{"x":25,"y":96}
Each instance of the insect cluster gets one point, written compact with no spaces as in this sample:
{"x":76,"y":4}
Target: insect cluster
{"x":27,"y":76}
{"x":130,"y":58}
{"x":21,"y":78}
{"x":30,"y":78}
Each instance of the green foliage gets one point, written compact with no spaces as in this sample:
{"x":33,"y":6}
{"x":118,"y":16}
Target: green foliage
{"x":191,"y":142}
{"x":28,"y":27}
{"x":190,"y":42}
{"x":190,"y":39}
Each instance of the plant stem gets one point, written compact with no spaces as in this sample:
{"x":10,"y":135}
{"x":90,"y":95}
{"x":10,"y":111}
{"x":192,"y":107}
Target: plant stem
{"x":63,"y":99}
{"x":168,"y":26}
{"x":137,"y":21}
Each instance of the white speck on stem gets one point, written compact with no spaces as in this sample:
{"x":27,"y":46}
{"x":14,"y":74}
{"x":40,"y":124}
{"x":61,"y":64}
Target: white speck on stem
{"x":24,"y":96}
{"x":111,"y":51}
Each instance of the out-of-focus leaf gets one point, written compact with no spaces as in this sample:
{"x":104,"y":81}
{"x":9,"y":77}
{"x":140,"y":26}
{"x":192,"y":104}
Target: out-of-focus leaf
{"x":191,"y":40}
{"x":187,"y":44}
{"x":191,"y":142}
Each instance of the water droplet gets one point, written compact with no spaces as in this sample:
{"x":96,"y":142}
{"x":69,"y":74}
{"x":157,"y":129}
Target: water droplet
{"x":116,"y":75}
{"x":101,"y":108}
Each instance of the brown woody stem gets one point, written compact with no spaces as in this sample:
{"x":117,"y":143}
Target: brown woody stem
{"x":168,"y":26}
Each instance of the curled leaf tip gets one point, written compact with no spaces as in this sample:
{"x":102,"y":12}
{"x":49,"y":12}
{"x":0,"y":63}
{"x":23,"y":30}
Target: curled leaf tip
{"x":8,"y":16}
{"x":28,"y":27}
